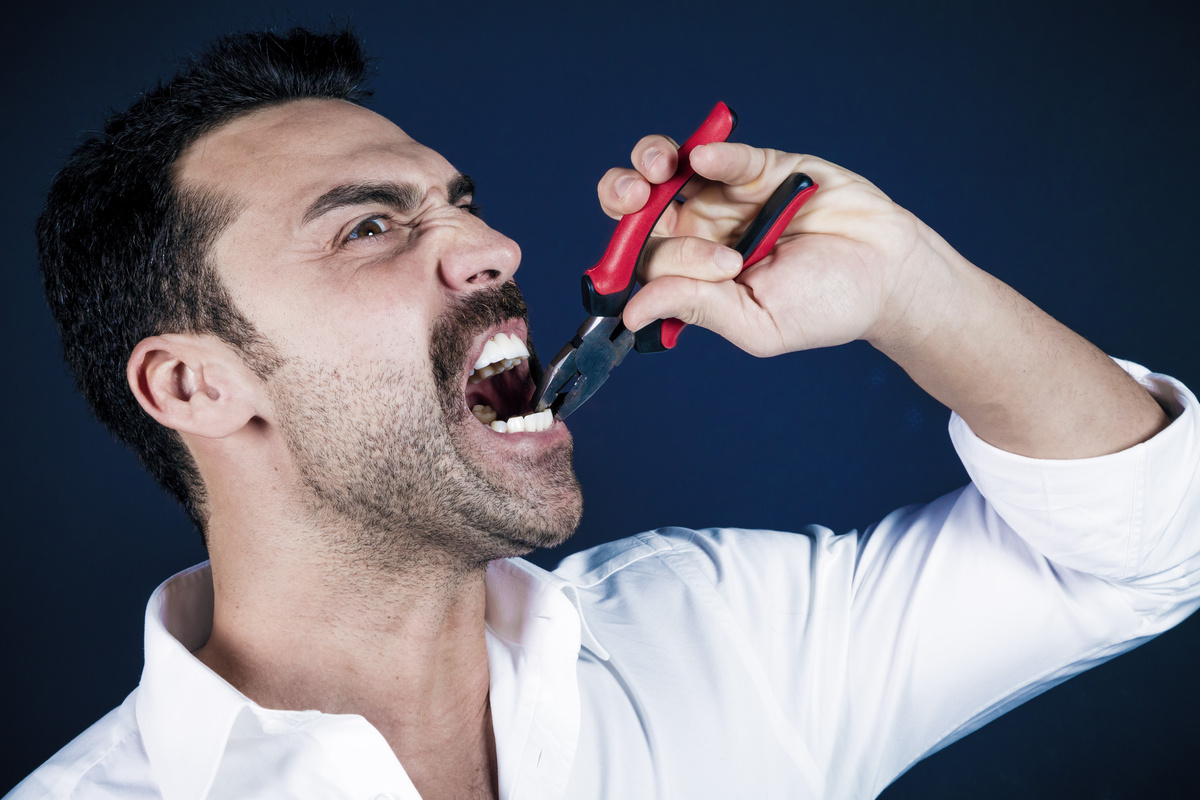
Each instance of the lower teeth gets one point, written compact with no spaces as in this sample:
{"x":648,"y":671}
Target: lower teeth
{"x":529,"y":423}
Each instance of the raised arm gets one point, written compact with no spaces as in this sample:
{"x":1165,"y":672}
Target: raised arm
{"x":854,"y":265}
{"x":1071,"y":546}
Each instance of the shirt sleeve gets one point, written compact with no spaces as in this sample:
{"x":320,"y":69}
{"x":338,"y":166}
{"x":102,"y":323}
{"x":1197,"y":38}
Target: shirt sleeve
{"x":887,"y":646}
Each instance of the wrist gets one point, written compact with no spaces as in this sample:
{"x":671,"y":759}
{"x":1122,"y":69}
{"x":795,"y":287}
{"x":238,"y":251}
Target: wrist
{"x":925,"y":299}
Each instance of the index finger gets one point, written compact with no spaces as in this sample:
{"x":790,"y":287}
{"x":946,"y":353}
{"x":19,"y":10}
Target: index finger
{"x":738,"y":164}
{"x":754,"y":172}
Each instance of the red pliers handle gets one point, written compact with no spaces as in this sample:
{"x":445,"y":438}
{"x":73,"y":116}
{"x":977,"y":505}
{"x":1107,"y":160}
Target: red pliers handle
{"x":600,"y":344}
{"x":755,"y":244}
{"x":608,"y":285}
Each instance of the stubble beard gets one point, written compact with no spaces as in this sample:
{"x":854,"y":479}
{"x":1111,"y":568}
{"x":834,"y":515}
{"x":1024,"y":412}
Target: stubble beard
{"x":387,"y":479}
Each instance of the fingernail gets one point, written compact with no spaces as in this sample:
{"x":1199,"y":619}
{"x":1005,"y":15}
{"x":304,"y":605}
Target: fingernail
{"x":650,"y":156}
{"x":623,"y":185}
{"x":728,"y":260}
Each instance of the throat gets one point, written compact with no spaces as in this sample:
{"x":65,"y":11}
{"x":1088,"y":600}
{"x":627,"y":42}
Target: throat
{"x":451,"y":758}
{"x":409,"y":656}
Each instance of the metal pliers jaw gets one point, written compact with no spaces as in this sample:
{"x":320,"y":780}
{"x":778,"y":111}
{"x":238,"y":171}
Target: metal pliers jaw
{"x":583,"y":364}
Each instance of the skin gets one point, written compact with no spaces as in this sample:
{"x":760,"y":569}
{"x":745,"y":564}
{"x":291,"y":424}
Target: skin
{"x":854,"y":265}
{"x":304,"y":608}
{"x":317,"y":606}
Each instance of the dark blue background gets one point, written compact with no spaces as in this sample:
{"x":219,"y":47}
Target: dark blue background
{"x":1054,"y":144}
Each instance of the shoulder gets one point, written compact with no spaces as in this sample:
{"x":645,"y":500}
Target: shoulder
{"x":106,"y":760}
{"x":727,"y":561}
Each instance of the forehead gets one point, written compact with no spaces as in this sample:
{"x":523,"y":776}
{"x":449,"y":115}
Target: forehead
{"x":294,"y":151}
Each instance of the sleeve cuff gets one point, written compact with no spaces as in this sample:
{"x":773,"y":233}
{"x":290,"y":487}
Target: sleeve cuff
{"x":1114,"y":515}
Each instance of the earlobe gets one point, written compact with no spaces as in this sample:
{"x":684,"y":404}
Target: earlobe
{"x":193,"y":384}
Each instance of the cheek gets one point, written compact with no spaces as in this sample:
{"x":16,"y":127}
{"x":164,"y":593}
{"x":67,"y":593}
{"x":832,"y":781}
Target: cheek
{"x":387,"y":315}
{"x":381,"y":319}
{"x":313,"y":306}
{"x":367,"y":334}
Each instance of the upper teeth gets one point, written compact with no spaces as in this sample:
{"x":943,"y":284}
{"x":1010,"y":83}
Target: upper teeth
{"x":503,"y":351}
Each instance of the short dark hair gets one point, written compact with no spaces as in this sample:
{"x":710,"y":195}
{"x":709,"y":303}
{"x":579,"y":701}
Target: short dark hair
{"x":124,"y":250}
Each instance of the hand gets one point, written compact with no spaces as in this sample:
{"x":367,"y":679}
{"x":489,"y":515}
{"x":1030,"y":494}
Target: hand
{"x":848,"y":266}
{"x":854,"y":265}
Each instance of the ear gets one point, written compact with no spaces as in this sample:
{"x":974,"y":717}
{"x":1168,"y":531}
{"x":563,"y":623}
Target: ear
{"x":194,"y":384}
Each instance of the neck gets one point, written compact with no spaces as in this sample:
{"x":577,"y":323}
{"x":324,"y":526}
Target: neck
{"x":295,"y":628}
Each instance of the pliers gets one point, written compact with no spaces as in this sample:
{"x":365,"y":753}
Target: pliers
{"x":584,"y":363}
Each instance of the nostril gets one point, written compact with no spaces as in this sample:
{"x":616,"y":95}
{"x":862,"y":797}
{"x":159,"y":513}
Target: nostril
{"x":487,"y":275}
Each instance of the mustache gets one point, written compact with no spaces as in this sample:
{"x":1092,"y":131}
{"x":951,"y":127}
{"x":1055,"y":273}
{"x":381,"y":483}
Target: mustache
{"x":458,"y":326}
{"x":480,"y":310}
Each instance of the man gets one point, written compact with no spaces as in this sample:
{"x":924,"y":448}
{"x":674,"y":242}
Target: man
{"x":288,"y":308}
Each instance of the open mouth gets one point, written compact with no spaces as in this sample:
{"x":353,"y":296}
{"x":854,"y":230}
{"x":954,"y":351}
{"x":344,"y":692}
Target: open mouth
{"x":499,"y":387}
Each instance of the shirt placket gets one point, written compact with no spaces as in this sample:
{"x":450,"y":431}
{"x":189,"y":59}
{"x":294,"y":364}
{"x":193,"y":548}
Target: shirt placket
{"x":535,"y":700}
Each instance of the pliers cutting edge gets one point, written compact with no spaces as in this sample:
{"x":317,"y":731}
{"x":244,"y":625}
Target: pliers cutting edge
{"x":602,"y":341}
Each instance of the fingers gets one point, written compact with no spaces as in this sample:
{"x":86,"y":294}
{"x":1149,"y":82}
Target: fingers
{"x":688,"y":257}
{"x":748,"y":173}
{"x":753,"y":171}
{"x":624,"y":191}
{"x":726,"y":308}
{"x":734,"y":163}
{"x":694,"y":302}
{"x":656,"y":158}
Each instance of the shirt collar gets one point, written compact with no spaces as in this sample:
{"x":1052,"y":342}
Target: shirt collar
{"x":521,"y":594}
{"x":185,"y":711}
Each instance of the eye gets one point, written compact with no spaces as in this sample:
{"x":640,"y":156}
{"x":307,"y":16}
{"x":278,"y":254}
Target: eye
{"x":470,"y":208}
{"x":369,"y":228}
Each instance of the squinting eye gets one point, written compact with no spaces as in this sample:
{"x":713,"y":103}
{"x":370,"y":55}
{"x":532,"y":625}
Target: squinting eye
{"x":374,"y":226}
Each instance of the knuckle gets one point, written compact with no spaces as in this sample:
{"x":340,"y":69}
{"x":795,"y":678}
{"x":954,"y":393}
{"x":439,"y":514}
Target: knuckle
{"x":649,"y":265}
{"x":693,"y":292}
{"x":692,"y":251}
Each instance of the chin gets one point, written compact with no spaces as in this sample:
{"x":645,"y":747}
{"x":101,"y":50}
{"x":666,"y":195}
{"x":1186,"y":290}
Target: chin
{"x":535,"y":500}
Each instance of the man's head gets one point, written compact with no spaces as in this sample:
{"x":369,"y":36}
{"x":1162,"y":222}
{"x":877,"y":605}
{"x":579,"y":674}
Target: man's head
{"x":124,"y":248}
{"x":334,"y":261}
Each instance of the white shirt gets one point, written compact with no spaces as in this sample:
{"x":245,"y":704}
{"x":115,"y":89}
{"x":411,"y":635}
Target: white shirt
{"x":725,"y":663}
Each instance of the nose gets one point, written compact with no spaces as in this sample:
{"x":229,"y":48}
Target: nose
{"x":478,"y":258}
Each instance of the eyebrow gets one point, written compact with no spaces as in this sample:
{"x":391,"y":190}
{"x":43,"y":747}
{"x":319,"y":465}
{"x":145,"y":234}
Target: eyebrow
{"x":403,"y":197}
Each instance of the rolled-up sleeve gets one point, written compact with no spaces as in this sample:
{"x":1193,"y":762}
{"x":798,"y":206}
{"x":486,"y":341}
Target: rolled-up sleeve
{"x":1129,"y":517}
{"x":967,"y":607}
{"x":884,"y":646}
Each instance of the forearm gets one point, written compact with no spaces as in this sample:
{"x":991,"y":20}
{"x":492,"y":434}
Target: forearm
{"x":1023,"y":381}
{"x":852,"y":264}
